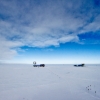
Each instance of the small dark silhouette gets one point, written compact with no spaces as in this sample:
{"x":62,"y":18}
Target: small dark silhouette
{"x":41,"y":65}
{"x":80,"y":65}
{"x":36,"y":65}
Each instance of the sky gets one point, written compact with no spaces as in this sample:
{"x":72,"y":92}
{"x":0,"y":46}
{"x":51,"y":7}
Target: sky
{"x":50,"y":31}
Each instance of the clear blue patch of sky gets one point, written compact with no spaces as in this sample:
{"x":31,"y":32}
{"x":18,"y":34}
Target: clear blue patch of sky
{"x":68,"y":52}
{"x":97,"y":3}
{"x":90,"y":37}
{"x":68,"y":48}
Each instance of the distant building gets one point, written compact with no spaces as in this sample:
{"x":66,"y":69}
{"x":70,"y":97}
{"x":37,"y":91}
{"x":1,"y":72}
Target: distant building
{"x":80,"y":65}
{"x":40,"y":65}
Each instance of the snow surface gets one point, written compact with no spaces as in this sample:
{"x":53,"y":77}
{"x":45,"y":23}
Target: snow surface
{"x":52,"y":82}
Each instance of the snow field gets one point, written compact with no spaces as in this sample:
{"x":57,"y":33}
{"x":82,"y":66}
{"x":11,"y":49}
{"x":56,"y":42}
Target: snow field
{"x":53,"y":82}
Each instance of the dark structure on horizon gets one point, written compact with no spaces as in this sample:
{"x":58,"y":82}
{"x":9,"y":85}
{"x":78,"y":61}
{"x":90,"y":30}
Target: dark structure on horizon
{"x":80,"y":65}
{"x":36,"y":65}
{"x":41,"y":65}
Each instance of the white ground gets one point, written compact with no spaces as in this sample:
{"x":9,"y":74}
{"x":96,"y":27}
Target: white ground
{"x":53,"y":82}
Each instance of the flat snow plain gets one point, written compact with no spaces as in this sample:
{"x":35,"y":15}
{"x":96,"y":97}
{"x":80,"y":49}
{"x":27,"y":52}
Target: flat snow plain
{"x":52,"y":82}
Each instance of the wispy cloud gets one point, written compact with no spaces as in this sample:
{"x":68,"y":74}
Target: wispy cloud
{"x":41,"y":23}
{"x":8,"y":48}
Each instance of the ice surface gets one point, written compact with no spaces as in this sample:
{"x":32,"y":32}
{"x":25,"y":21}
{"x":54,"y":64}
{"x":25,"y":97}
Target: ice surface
{"x":52,"y":82}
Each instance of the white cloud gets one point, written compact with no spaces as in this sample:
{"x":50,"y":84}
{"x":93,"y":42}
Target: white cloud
{"x":49,"y":23}
{"x":8,"y":48}
{"x":93,"y":26}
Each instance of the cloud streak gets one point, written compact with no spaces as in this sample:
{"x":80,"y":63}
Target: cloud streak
{"x":37,"y":23}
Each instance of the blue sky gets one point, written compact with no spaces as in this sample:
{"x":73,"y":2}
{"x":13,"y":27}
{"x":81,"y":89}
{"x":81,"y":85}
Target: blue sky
{"x":50,"y":31}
